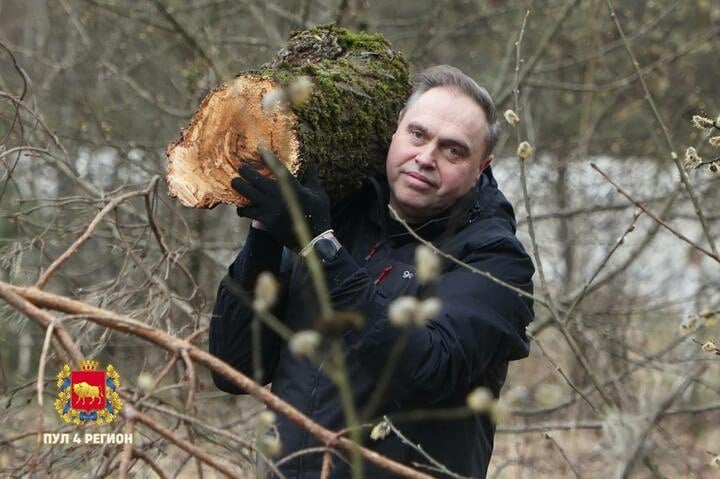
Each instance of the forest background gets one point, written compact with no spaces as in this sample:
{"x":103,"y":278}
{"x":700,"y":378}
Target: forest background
{"x":623,"y":375}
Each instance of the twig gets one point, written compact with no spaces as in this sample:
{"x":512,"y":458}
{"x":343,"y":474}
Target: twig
{"x":625,"y":469}
{"x":624,"y":82}
{"x":648,"y":360}
{"x":326,"y":463}
{"x":131,"y":414}
{"x":523,"y":177}
{"x":43,"y":318}
{"x":461,"y":263}
{"x":437,"y":465}
{"x":534,"y":428}
{"x":345,"y":391}
{"x":127,"y":453}
{"x":301,"y":229}
{"x":608,"y":47}
{"x":634,"y":253}
{"x":707,"y":162}
{"x":588,"y":210}
{"x":190,"y":402}
{"x":23,"y":148}
{"x":317,"y":274}
{"x":153,"y":225}
{"x":41,"y":381}
{"x":666,"y":133}
{"x":42,"y":281}
{"x":309,"y":450}
{"x":531,"y":231}
{"x":563,"y":375}
{"x":19,"y":102}
{"x":600,"y":267}
{"x":327,"y":455}
{"x":146,"y":95}
{"x":562,"y":453}
{"x":172,"y":343}
{"x":570,"y":340}
{"x":215,"y":430}
{"x":145,"y":458}
{"x":655,"y":217}
{"x":26,"y":82}
{"x":219,"y":69}
{"x":190,"y":369}
{"x":543,"y":44}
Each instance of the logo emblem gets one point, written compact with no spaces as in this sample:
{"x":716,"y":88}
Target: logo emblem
{"x":88,"y":395}
{"x":407,"y":274}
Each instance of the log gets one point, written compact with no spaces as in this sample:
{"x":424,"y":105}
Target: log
{"x":330,"y":98}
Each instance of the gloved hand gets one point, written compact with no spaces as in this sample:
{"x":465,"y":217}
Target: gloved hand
{"x":269,"y":208}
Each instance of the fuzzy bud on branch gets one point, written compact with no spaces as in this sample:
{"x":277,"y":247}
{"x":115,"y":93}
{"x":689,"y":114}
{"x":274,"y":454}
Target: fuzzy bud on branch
{"x":304,"y":343}
{"x":525,"y":150}
{"x":427,"y":264}
{"x":511,"y":117}
{"x":266,"y":292}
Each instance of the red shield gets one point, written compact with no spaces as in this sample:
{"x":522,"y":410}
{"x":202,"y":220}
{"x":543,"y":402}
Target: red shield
{"x":87,"y":390}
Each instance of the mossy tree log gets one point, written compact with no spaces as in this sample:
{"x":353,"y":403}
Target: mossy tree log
{"x":342,"y":121}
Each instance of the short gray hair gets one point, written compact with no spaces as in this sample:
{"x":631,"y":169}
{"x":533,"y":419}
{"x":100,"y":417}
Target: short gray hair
{"x":453,"y":78}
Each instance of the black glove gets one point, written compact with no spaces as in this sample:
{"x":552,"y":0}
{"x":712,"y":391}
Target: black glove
{"x":269,"y":208}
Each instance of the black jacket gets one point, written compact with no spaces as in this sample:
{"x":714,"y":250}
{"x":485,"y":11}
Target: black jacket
{"x":480,"y":328}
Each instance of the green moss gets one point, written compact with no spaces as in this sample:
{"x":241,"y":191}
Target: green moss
{"x":360,"y":85}
{"x":363,"y":41}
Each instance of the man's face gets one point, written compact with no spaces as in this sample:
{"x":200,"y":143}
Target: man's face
{"x":436,"y":153}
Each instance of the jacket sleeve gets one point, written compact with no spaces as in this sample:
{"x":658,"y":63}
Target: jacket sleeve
{"x":230,"y":324}
{"x":479,"y":322}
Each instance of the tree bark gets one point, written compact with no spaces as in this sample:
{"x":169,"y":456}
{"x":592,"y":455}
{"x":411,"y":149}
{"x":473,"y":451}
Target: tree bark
{"x":329,"y":98}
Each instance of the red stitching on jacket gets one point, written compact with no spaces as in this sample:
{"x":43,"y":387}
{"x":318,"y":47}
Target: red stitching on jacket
{"x":372,"y":251}
{"x":383,"y":274}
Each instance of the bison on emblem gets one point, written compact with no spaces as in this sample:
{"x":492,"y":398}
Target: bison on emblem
{"x":85,"y":391}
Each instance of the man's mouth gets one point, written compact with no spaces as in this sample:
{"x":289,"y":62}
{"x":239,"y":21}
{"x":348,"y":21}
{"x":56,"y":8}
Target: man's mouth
{"x":420,"y":177}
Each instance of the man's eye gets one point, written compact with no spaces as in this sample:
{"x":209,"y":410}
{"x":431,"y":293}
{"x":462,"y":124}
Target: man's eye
{"x":416,"y":134}
{"x":454,"y":152}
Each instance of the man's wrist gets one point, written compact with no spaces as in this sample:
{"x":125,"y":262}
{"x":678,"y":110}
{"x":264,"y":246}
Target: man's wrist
{"x":325,"y":245}
{"x":257,"y":225}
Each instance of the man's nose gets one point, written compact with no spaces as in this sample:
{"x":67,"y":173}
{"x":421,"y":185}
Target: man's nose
{"x":425,"y":158}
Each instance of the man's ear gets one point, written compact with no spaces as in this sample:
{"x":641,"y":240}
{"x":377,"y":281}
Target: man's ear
{"x":483,"y":165}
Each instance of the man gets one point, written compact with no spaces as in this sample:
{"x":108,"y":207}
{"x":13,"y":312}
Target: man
{"x":438,"y":179}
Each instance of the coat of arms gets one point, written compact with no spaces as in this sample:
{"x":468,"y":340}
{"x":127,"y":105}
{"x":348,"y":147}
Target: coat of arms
{"x":88,"y":395}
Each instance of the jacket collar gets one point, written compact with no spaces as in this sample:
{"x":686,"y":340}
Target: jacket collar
{"x":483,"y":201}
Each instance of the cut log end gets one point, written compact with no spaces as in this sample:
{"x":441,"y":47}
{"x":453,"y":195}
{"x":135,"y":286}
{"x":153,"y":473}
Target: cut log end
{"x":227,"y":131}
{"x":337,"y":93}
